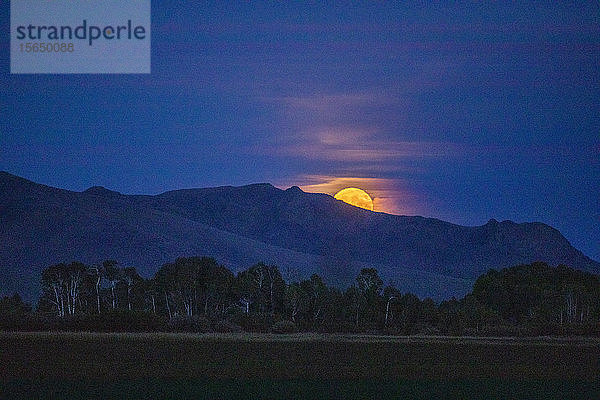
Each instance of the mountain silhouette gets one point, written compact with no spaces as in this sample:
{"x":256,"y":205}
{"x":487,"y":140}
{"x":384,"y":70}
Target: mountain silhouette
{"x":303,"y":233}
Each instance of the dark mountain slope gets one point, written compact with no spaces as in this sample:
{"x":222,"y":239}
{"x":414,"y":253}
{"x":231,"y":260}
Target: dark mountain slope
{"x":303,"y":232}
{"x":319,"y":224}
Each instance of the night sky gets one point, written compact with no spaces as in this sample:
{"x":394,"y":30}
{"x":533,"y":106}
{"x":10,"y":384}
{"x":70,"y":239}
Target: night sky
{"x":463,"y":113}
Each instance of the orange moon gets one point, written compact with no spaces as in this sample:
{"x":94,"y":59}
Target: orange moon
{"x":356,"y":197}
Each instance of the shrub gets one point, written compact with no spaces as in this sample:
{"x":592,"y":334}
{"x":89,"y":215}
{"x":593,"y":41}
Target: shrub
{"x":113,"y":321}
{"x":284,"y":327}
{"x":254,"y":322}
{"x":196,"y":323}
{"x":21,"y":322}
{"x":226,"y":326}
{"x":336,"y":326}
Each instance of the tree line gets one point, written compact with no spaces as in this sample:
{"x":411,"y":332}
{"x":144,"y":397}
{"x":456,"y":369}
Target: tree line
{"x":199,"y":294}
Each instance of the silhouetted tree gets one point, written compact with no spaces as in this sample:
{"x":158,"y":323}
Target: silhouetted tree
{"x":391,"y":295}
{"x":296,"y":300}
{"x":97,"y":271}
{"x":13,"y":305}
{"x":263,"y":286}
{"x":61,"y":286}
{"x":369,"y":285}
{"x":195,"y":291}
{"x":113,"y":275}
{"x":216,"y":284}
{"x":133,"y":282}
{"x":316,"y":292}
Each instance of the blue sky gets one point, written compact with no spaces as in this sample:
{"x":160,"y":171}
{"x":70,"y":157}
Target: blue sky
{"x":464,"y":112}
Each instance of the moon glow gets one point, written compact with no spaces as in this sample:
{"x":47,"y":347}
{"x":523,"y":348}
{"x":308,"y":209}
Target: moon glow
{"x":356,"y":197}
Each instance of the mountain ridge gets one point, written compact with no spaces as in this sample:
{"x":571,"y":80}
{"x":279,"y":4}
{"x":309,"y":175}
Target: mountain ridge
{"x":301,"y":232}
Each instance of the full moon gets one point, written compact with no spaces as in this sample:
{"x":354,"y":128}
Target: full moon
{"x":355,"y":197}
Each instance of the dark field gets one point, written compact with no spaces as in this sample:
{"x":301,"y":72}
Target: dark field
{"x":89,"y":365}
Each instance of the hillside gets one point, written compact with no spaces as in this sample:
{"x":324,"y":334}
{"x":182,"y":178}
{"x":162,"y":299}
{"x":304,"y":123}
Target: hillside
{"x":301,"y":232}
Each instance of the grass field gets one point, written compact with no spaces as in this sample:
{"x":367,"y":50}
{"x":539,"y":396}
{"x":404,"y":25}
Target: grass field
{"x":94,"y":365}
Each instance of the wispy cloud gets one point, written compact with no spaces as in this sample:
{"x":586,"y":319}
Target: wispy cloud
{"x":368,"y":151}
{"x":331,"y":103}
{"x":350,"y":128}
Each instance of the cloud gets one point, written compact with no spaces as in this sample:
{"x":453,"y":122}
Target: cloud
{"x":370,"y":151}
{"x":331,"y":103}
{"x":336,"y":136}
{"x":361,"y":127}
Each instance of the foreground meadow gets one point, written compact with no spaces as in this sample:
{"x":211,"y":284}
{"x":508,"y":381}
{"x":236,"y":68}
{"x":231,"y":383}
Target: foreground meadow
{"x":160,"y":365}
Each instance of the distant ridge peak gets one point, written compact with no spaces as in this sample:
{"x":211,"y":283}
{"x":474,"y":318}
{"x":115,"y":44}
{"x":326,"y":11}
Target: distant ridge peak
{"x":294,"y":189}
{"x":100,"y":191}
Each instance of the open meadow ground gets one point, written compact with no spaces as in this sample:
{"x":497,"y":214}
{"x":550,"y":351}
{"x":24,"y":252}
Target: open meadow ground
{"x":164,"y":365}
